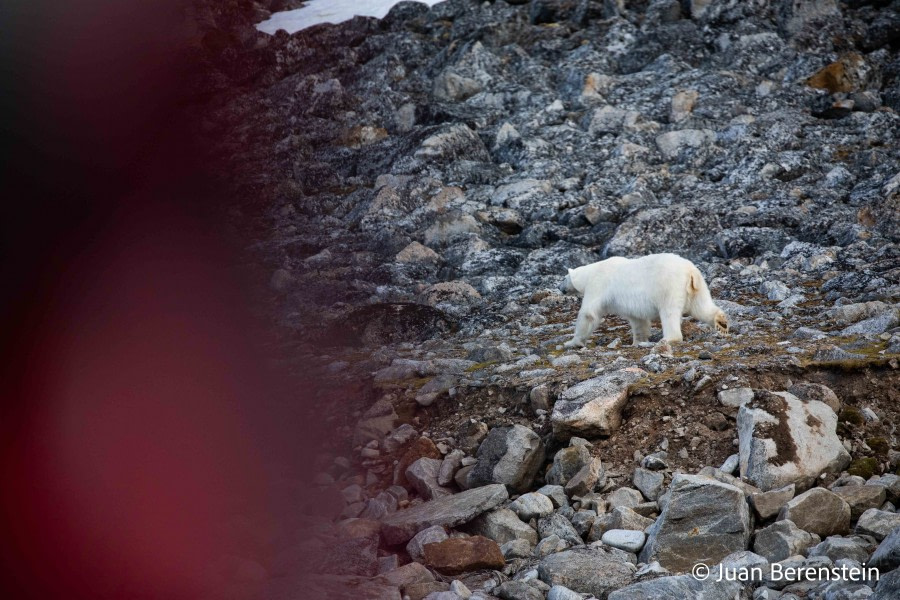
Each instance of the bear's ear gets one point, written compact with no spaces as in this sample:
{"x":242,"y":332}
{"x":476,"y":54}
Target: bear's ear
{"x":570,"y":271}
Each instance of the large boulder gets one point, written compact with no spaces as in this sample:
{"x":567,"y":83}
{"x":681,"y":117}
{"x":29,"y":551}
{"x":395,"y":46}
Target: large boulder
{"x":704,"y":520}
{"x":887,"y":555}
{"x":508,"y":455}
{"x":448,"y":511}
{"x":593,"y":570}
{"x":593,"y":408}
{"x":784,"y":440}
{"x":877,"y":523}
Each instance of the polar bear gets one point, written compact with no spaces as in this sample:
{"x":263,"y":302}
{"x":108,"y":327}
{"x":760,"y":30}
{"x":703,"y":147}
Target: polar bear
{"x":663,"y":286}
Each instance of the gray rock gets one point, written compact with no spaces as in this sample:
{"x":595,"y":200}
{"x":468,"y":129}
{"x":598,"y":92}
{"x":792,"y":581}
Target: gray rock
{"x":877,"y":523}
{"x":836,"y":547}
{"x":731,"y":464}
{"x":540,"y":398}
{"x":550,"y":545}
{"x":449,"y":511}
{"x":784,"y":440}
{"x":673,"y":143}
{"x":794,"y":16}
{"x":450,"y":466}
{"x":561,"y":592}
{"x":592,"y":570}
{"x":624,"y":539}
{"x":704,"y":520}
{"x":774,"y":290}
{"x":679,"y":586}
{"x":517,"y":590}
{"x":431,"y":535}
{"x":556,"y":493}
{"x":888,"y":587}
{"x":516,"y":549}
{"x":624,"y":496}
{"x":887,"y":556}
{"x":818,"y":511}
{"x":593,"y":407}
{"x":590,"y":477}
{"x":650,"y":483}
{"x":582,"y":521}
{"x":768,"y":504}
{"x":423,"y":476}
{"x":567,"y":462}
{"x":471,"y":435}
{"x":875,"y":325}
{"x":861,"y":498}
{"x":781,"y":540}
{"x":558,"y":525}
{"x":502,"y":525}
{"x":508,"y":455}
{"x":816,"y":391}
{"x":620,"y":517}
{"x":532,"y":505}
{"x":735,"y":398}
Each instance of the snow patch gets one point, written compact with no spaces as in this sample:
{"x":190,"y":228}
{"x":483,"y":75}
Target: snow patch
{"x":328,"y":11}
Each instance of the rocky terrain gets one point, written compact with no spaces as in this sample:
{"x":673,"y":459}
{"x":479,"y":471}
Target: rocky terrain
{"x":416,"y":187}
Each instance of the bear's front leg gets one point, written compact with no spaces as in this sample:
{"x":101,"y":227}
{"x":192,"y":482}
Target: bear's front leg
{"x":640,"y":330}
{"x":584,"y":327}
{"x":671,"y":325}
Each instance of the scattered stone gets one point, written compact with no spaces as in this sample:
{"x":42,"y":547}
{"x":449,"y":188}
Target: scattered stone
{"x":458,"y":555}
{"x":593,"y":407}
{"x":502,"y":525}
{"x":587,"y":479}
{"x":592,"y":570}
{"x":624,"y":539}
{"x":567,"y":462}
{"x":887,"y":556}
{"x":449,"y":511}
{"x":623,"y":496}
{"x":837,"y":548}
{"x":781,"y":540}
{"x":877,"y":523}
{"x":818,"y":511}
{"x":423,"y":476}
{"x":768,"y":504}
{"x":861,"y":498}
{"x":558,"y":525}
{"x":704,"y":520}
{"x":508,"y":455}
{"x":650,"y":483}
{"x":533,"y":505}
{"x":517,"y":590}
{"x":416,"y":546}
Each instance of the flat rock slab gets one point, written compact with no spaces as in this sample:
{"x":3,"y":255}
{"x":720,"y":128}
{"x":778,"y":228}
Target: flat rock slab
{"x":679,"y":586}
{"x":704,"y":521}
{"x":592,"y":570}
{"x":593,"y":408}
{"x":449,"y":511}
{"x":458,"y":555}
{"x":785,"y":440}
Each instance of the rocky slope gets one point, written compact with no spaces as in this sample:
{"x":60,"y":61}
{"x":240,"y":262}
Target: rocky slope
{"x":416,"y":188}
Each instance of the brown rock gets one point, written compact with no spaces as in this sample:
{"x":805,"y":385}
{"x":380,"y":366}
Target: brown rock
{"x":458,"y":555}
{"x":847,"y":74}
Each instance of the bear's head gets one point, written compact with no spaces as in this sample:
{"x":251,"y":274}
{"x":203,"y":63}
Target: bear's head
{"x":566,"y":286}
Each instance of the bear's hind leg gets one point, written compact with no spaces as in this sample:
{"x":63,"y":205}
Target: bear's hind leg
{"x":584,"y":327}
{"x":671,"y":325}
{"x":640,"y":330}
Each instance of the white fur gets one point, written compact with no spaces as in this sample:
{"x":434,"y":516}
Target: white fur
{"x":658,"y":286}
